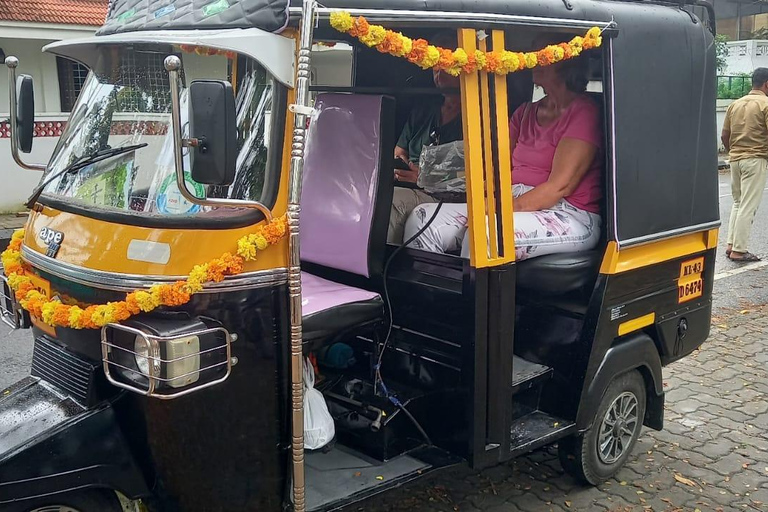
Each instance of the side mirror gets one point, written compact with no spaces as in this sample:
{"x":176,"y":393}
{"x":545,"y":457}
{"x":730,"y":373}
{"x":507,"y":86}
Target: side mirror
{"x":25,"y":113}
{"x":212,"y":132}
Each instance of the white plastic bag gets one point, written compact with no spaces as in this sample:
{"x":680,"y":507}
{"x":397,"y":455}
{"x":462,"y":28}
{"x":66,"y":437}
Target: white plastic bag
{"x":441,"y":168}
{"x":318,"y":423}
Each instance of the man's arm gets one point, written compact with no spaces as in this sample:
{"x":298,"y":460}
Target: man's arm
{"x":725,"y":137}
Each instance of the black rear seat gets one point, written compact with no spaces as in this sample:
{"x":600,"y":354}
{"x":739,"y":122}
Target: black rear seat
{"x":562,"y":280}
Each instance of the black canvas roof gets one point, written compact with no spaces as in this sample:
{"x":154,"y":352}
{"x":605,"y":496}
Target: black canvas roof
{"x":132,"y":15}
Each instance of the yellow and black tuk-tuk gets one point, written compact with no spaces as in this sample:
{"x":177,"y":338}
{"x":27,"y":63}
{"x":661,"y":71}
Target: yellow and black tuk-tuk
{"x":173,"y":293}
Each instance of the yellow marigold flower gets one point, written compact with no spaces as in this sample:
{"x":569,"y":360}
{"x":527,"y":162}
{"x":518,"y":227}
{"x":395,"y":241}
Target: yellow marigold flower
{"x":431,"y":58}
{"x":48,"y":310}
{"x":480,"y":59}
{"x":197,"y":277}
{"x":407,"y":45}
{"x":75,"y":317}
{"x":146,"y":301}
{"x":246,"y":249}
{"x":577,"y":43}
{"x":375,"y":35}
{"x":15,"y":281}
{"x":559,"y":53}
{"x":531,"y":60}
{"x":509,"y":62}
{"x":103,"y":315}
{"x":18,"y":235}
{"x":341,"y":21}
{"x":461,"y":57}
{"x":260,"y":242}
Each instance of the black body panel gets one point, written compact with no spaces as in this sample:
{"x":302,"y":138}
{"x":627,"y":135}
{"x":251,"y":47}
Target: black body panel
{"x":219,"y":449}
{"x":60,"y":446}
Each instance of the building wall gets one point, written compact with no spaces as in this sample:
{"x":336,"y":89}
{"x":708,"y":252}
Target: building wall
{"x":745,"y":56}
{"x":25,"y":41}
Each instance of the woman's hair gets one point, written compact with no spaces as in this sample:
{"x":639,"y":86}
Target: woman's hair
{"x":574,"y":72}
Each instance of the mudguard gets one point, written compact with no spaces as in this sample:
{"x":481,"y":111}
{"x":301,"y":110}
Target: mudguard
{"x":635,"y":352}
{"x":50,"y":444}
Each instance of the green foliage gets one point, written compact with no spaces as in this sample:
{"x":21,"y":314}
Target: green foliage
{"x":733,"y":87}
{"x":721,"y":52}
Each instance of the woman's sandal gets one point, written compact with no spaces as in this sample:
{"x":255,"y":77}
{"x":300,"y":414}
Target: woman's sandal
{"x":745,"y":257}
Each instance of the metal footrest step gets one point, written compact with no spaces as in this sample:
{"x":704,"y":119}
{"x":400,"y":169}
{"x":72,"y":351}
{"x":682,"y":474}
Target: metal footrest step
{"x":537,"y":429}
{"x":526,"y":374}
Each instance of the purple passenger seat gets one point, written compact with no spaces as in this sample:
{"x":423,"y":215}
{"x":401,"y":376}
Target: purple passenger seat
{"x":345,"y":204}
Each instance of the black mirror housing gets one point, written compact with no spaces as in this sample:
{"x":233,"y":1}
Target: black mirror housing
{"x":212,"y":121}
{"x":25,"y":113}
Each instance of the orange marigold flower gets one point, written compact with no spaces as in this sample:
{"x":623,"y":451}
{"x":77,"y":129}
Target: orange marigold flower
{"x":492,"y":62}
{"x":121,"y":311}
{"x":131,"y":304}
{"x":446,"y":60}
{"x":174,"y":294}
{"x":359,"y":28}
{"x":87,"y":319}
{"x":418,"y":51}
{"x":567,"y":50}
{"x":61,"y":315}
{"x":471,"y":65}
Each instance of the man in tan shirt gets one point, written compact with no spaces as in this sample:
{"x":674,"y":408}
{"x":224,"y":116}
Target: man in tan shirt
{"x":745,"y":136}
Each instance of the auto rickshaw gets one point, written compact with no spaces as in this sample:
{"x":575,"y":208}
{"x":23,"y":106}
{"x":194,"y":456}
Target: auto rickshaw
{"x":173,"y":293}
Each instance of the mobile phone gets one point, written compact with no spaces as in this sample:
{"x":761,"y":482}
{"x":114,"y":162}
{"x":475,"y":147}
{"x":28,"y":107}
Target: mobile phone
{"x":401,"y":165}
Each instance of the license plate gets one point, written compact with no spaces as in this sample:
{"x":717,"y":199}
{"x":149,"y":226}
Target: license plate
{"x":691,"y":268}
{"x":44,"y":287}
{"x":690,"y":290}
{"x":690,"y":285}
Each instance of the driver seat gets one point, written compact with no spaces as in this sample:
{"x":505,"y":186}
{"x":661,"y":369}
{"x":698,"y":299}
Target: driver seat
{"x":346,"y":200}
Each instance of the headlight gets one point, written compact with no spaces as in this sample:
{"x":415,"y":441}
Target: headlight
{"x":147,"y":355}
{"x":183,"y":355}
{"x":157,"y":356}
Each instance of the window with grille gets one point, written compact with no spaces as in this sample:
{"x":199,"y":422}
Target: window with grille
{"x":71,"y":79}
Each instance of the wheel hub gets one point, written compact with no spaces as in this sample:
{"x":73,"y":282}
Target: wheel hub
{"x":617,"y":428}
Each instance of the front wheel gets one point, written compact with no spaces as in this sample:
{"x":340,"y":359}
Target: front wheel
{"x":601,"y":451}
{"x":95,"y":500}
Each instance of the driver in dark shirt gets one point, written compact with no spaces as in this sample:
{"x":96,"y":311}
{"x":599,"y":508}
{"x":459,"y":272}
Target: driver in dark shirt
{"x":437,"y":121}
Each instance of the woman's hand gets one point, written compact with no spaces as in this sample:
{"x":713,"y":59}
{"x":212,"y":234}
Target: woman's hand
{"x":409,"y":176}
{"x":573,"y":158}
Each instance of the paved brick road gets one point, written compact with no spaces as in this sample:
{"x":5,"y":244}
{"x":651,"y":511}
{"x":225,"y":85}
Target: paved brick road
{"x":715,"y":439}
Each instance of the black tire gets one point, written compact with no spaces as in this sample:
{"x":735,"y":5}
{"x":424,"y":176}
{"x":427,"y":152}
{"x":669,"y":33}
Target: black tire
{"x":92,"y":500}
{"x":580,"y":456}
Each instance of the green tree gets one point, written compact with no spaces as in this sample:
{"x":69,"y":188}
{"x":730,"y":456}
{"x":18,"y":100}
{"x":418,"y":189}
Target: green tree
{"x":721,"y":52}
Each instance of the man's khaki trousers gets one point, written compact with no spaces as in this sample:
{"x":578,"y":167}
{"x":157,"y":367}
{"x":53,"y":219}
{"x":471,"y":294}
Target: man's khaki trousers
{"x":747,"y":184}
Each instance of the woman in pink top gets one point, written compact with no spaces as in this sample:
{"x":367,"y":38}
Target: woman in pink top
{"x":557,"y":173}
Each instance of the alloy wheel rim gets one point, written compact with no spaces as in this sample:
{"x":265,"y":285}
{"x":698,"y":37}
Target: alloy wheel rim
{"x":617,"y":428}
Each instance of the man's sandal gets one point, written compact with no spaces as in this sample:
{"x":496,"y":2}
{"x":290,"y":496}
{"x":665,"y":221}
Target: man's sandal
{"x":745,"y":257}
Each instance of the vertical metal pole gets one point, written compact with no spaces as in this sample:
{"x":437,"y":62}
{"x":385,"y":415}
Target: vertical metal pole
{"x":294,"y":263}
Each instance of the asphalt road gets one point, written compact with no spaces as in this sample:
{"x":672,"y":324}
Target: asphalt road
{"x":737,"y":287}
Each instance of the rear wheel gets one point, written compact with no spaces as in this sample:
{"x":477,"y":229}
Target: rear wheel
{"x":95,"y":500}
{"x":600,"y":452}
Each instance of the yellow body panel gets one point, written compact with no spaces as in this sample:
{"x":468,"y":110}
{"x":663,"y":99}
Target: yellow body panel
{"x":616,"y":261}
{"x":636,"y":324}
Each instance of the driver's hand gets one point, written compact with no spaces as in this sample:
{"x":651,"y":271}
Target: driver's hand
{"x":409,"y":176}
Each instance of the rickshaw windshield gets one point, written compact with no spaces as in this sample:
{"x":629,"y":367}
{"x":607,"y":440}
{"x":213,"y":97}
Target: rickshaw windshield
{"x":126,"y":101}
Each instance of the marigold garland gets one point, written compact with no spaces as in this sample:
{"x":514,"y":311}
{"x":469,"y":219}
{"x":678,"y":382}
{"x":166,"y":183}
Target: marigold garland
{"x":455,"y":62}
{"x":55,"y":313}
{"x":206,"y":51}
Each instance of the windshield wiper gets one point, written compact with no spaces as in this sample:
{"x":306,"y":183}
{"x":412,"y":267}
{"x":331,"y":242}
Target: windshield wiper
{"x":78,"y":164}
